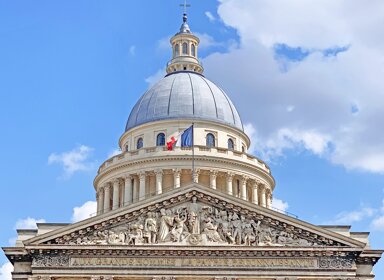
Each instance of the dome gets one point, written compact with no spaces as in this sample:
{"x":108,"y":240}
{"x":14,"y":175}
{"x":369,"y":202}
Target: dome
{"x":184,"y":95}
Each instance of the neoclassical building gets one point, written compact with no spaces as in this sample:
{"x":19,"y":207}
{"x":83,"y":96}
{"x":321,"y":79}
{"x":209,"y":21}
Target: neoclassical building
{"x":200,"y":211}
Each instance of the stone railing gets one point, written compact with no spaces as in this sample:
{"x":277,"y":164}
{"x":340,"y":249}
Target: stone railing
{"x":182,"y":151}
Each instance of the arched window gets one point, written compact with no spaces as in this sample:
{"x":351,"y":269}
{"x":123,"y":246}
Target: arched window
{"x":210,"y":140}
{"x":193,"y":50}
{"x":185,"y":48}
{"x":140,"y":143}
{"x":177,"y":50}
{"x":160,"y":139}
{"x":231,"y":146}
{"x":243,"y":149}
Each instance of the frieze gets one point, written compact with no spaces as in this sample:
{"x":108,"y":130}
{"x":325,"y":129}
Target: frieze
{"x":47,"y":261}
{"x":335,"y":263}
{"x":192,"y":223}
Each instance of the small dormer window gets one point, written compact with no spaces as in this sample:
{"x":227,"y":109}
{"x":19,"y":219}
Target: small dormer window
{"x":160,"y":139}
{"x":139,"y":143}
{"x":210,"y":141}
{"x":231,"y":146}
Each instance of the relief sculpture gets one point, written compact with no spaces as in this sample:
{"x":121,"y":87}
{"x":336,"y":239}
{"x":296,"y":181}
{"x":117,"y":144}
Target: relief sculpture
{"x":194,"y":223}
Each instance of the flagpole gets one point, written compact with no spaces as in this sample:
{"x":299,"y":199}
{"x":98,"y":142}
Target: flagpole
{"x":193,"y":153}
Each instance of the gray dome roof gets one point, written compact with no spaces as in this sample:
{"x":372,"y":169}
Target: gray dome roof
{"x":184,"y":95}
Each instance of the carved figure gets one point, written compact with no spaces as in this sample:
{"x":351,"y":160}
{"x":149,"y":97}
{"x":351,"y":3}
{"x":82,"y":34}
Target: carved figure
{"x":179,"y":231}
{"x":150,"y":228}
{"x":135,"y":237}
{"x":166,"y":222}
{"x":210,"y":231}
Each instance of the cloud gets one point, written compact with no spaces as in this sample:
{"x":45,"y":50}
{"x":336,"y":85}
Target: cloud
{"x":73,"y":161}
{"x":114,"y":152}
{"x":210,"y":16}
{"x":378,"y":221}
{"x":353,"y":216}
{"x":152,"y":80}
{"x":279,"y":204}
{"x":132,"y":50}
{"x":85,"y":211}
{"x":28,"y":223}
{"x":310,"y":103}
{"x":206,"y":41}
{"x":5,"y":271}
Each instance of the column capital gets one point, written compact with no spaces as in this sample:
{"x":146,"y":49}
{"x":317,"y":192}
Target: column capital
{"x":128,"y":177}
{"x":106,"y":185}
{"x":213,"y":172}
{"x":142,"y":175}
{"x":159,"y":172}
{"x":116,"y":181}
{"x":176,"y":171}
{"x":230,"y":176}
{"x":244,"y":179}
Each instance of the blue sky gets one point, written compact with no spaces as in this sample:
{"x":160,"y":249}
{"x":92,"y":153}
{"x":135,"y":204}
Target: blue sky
{"x":307,"y":83}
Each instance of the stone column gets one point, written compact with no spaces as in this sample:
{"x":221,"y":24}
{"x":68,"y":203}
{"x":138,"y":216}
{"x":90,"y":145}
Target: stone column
{"x":135,"y":189}
{"x":195,"y":176}
{"x":212,"y":179}
{"x":115,"y":196}
{"x":263,"y":197}
{"x":159,"y":181}
{"x":255,"y":195}
{"x":229,"y":183}
{"x":107,"y":197}
{"x":269,"y":199}
{"x":101,"y":202}
{"x":127,"y":190}
{"x":176,"y":178}
{"x":142,"y":177}
{"x":243,"y":188}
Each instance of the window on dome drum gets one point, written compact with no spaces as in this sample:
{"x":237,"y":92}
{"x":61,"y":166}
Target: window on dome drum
{"x":185,"y":48}
{"x":160,"y":139}
{"x":243,"y":149}
{"x":193,"y":50}
{"x":210,"y":142}
{"x":177,"y":50}
{"x":139,"y":143}
{"x":231,"y":146}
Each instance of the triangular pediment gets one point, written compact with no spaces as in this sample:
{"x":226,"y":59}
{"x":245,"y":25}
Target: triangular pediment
{"x":191,"y":216}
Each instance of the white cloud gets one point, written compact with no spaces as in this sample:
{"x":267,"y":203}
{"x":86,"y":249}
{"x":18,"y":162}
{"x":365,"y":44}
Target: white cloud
{"x":210,"y":16}
{"x":322,"y":88}
{"x":132,"y":50}
{"x":85,"y":211}
{"x":206,"y":41}
{"x":378,"y":221}
{"x":279,"y":204}
{"x":28,"y":223}
{"x":114,"y":152}
{"x":353,"y":216}
{"x":5,"y":271}
{"x":73,"y":161}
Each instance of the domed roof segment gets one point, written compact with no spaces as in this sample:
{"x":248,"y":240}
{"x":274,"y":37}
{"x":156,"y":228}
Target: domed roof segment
{"x":184,"y":95}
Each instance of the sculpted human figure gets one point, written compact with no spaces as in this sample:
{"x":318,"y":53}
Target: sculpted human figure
{"x":236,"y":228}
{"x":166,"y":222}
{"x":211,"y":231}
{"x":194,"y":216}
{"x":225,"y":229}
{"x":150,"y":228}
{"x":136,"y":235}
{"x":249,"y":236}
{"x":177,"y":233}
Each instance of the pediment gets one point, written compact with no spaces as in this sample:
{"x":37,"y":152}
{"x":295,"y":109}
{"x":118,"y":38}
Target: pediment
{"x":194,"y":216}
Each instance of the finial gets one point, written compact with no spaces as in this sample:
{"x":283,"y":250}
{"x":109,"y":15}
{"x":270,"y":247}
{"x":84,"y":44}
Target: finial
{"x":185,"y":5}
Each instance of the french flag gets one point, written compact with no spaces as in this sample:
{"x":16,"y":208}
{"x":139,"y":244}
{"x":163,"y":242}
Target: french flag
{"x":183,"y":139}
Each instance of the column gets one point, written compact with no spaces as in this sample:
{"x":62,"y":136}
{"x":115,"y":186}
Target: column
{"x":243,"y":187}
{"x":176,"y":178}
{"x":97,"y":202}
{"x":195,"y":176}
{"x":107,"y":197}
{"x":229,"y":183}
{"x":255,"y":195}
{"x":127,"y":190}
{"x":269,"y":199}
{"x":101,"y":201}
{"x":263,"y":197}
{"x":115,"y":197}
{"x":135,"y":189}
{"x":159,"y":181}
{"x":212,"y":179}
{"x":142,"y":177}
